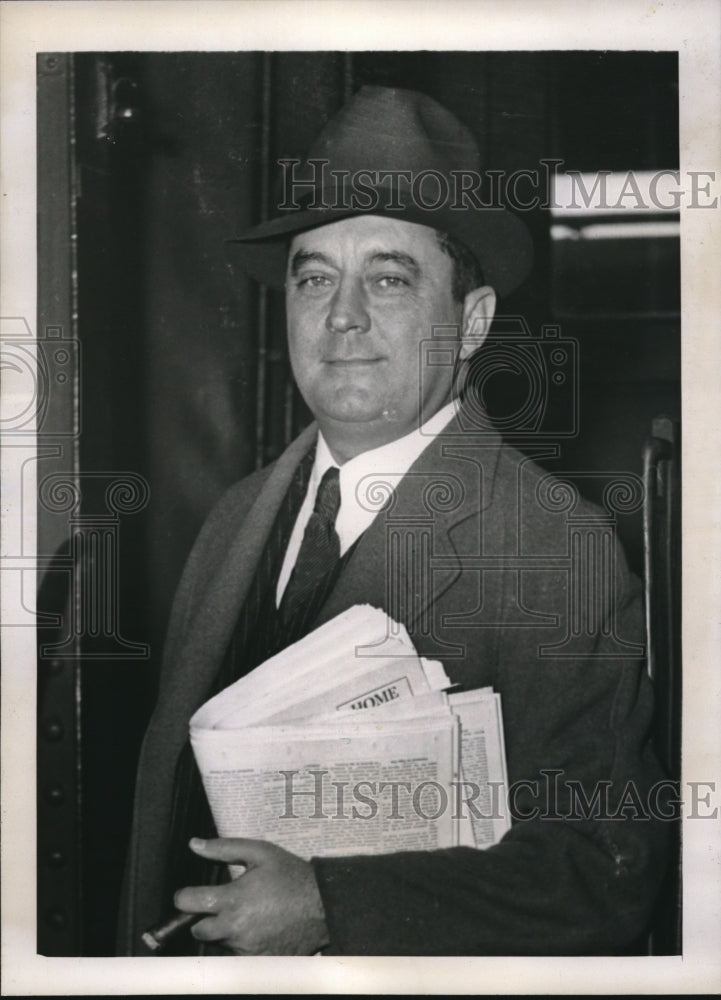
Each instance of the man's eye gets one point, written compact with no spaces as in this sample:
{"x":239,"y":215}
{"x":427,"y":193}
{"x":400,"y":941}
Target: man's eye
{"x":391,"y":281}
{"x":314,"y":281}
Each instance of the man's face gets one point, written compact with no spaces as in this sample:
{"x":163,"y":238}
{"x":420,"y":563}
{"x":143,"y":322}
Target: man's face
{"x":361,"y":296}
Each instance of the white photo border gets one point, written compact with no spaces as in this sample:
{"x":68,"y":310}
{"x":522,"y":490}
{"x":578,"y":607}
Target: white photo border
{"x":691,"y":28}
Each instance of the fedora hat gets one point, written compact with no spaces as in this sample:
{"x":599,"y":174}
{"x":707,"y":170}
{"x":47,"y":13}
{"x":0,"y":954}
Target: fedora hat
{"x":396,"y":153}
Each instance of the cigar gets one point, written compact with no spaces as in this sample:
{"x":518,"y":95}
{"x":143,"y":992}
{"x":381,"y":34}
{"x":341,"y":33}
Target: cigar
{"x":157,"y":937}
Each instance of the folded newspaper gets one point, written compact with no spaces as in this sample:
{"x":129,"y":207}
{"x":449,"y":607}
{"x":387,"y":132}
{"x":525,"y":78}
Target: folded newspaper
{"x":348,"y":742}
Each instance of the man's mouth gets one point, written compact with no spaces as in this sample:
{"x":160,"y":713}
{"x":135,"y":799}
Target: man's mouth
{"x":352,"y":362}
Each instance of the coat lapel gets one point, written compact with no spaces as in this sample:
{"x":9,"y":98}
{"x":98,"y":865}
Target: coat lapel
{"x":407,"y":558}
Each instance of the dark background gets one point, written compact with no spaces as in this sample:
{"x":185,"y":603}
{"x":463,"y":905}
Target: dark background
{"x":147,"y":162}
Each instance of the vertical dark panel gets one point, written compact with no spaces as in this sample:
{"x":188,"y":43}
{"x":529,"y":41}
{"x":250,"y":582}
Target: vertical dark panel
{"x":199,"y":368}
{"x":93,"y":689}
{"x":662,"y":541}
{"x":58,"y":775}
{"x":266,"y":98}
{"x":114,"y":139}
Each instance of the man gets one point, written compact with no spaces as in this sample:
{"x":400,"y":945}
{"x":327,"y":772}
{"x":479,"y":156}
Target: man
{"x":515,"y":589}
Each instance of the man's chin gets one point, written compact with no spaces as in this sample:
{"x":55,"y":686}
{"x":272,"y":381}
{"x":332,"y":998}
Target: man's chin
{"x":354,"y":405}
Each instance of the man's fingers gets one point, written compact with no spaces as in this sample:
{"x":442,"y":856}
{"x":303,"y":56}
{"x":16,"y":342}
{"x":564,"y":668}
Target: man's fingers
{"x":207,"y":930}
{"x":197,"y":899}
{"x":213,"y":929}
{"x":234,"y":850}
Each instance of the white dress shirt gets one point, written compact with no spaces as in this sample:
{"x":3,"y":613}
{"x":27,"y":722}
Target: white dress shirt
{"x":365,"y":483}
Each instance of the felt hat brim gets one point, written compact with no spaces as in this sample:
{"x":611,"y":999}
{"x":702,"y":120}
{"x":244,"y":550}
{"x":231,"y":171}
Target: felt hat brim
{"x":497,"y":237}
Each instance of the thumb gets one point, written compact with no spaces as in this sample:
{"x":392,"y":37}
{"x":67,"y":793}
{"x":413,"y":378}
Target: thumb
{"x":233,"y":850}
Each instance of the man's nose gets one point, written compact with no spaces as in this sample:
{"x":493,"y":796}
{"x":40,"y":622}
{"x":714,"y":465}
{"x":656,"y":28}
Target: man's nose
{"x":347,"y":312}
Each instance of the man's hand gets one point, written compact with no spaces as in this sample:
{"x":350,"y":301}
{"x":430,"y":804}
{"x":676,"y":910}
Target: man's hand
{"x":274,"y":908}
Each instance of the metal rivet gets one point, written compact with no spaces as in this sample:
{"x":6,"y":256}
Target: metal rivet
{"x":55,"y":794}
{"x":57,"y":859}
{"x":53,"y":729}
{"x":55,"y":666}
{"x":57,"y":918}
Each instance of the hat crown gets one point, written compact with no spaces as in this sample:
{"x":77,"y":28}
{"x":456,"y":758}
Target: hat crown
{"x":386,"y":128}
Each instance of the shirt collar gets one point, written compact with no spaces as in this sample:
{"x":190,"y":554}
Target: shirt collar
{"x":398,"y":455}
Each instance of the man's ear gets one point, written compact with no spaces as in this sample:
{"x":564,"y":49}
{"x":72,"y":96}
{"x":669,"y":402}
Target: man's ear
{"x":478,"y":309}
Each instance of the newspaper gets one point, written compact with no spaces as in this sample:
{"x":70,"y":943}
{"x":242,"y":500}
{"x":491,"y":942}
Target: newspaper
{"x":348,"y":742}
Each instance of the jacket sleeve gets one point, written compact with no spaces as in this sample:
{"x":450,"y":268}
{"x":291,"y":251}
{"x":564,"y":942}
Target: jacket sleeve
{"x":579,"y":869}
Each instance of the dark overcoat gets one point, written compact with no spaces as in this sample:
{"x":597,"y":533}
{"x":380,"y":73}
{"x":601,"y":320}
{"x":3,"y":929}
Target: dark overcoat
{"x":512,"y":580}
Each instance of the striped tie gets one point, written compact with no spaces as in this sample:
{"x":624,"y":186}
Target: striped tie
{"x":320,"y":549}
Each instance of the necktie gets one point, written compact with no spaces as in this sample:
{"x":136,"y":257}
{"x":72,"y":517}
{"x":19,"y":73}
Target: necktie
{"x":320,"y":549}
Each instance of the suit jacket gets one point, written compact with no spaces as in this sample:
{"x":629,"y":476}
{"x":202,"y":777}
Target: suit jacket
{"x":512,"y":581}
